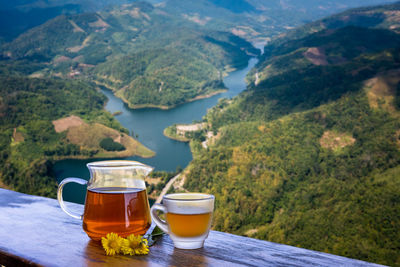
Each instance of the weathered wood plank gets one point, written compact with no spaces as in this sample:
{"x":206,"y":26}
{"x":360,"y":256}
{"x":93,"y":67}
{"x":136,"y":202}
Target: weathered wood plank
{"x":34,"y":230}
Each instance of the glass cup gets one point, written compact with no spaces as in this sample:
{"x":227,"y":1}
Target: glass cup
{"x":188,"y":218}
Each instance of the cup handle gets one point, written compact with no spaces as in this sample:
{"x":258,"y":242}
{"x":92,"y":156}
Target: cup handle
{"x":160,"y":223}
{"x":60,"y":193}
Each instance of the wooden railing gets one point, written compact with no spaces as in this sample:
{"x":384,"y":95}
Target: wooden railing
{"x":34,"y":230}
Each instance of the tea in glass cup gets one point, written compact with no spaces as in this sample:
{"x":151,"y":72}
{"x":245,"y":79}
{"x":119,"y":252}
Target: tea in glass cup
{"x":188,"y":218}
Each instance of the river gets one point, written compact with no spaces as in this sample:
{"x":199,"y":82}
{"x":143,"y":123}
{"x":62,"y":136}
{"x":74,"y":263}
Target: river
{"x":149,"y":124}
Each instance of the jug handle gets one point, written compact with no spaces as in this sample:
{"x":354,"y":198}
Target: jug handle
{"x":160,"y":223}
{"x":60,"y":192}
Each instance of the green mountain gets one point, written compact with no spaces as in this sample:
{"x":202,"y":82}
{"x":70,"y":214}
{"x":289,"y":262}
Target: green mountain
{"x":146,"y":56}
{"x":84,"y":5}
{"x":309,"y":155}
{"x":36,"y":127}
{"x":157,"y":55}
{"x":251,"y":18}
{"x":384,"y":17}
{"x":257,"y":20}
{"x":311,"y":9}
{"x":14,"y":22}
{"x":18,"y":16}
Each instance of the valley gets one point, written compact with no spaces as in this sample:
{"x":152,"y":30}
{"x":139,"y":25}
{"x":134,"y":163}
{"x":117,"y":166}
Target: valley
{"x":148,"y":125}
{"x":136,"y":51}
{"x":301,"y":147}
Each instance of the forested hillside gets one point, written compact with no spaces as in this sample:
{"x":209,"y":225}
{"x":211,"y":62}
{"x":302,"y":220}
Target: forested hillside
{"x":17,"y":16}
{"x":183,"y":47}
{"x":385,"y":17}
{"x":258,"y":20}
{"x":309,"y":155}
{"x":145,"y":55}
{"x":29,"y":139}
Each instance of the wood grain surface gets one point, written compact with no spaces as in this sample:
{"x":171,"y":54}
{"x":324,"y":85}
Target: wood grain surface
{"x":34,"y":230}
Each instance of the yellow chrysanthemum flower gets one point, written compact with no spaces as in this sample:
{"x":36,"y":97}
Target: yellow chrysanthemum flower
{"x":135,"y":245}
{"x":112,"y":243}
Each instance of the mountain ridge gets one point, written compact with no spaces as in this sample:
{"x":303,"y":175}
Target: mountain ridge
{"x":95,"y":46}
{"x":309,"y":156}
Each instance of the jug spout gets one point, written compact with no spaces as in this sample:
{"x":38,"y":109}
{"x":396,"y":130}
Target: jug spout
{"x":143,"y":170}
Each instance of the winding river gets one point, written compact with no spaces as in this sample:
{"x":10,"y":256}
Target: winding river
{"x":149,"y":124}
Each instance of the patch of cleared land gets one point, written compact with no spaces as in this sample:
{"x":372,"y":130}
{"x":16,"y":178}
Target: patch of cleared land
{"x":197,"y":19}
{"x":381,"y":91}
{"x":210,"y":139}
{"x":393,"y":16}
{"x":135,"y":13}
{"x":178,"y":132}
{"x":151,"y":180}
{"x":316,"y":55}
{"x":336,"y":141}
{"x":251,"y":232}
{"x":61,"y":59}
{"x":64,"y":124}
{"x":100,"y":23}
{"x":37,"y":75}
{"x":88,"y":136}
{"x":76,"y":27}
{"x":78,"y":48}
{"x":17,"y":136}
{"x":182,"y":129}
{"x":238,"y":32}
{"x":257,"y":80}
{"x":243,"y":31}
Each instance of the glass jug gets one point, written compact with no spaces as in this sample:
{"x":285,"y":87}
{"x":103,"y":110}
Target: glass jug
{"x":116,"y":199}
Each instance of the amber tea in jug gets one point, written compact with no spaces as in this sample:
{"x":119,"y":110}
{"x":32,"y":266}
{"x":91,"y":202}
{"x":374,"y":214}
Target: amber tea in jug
{"x":116,"y":199}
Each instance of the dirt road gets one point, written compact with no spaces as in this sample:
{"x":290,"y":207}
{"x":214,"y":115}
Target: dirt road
{"x":167,"y":187}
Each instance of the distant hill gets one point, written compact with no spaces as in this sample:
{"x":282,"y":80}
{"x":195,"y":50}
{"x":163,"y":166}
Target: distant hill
{"x":313,"y":8}
{"x":253,"y":19}
{"x":146,"y":56}
{"x":309,"y":154}
{"x":18,"y":16}
{"x":13,"y":22}
{"x":385,"y":17}
{"x":258,"y":20}
{"x":86,"y":5}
